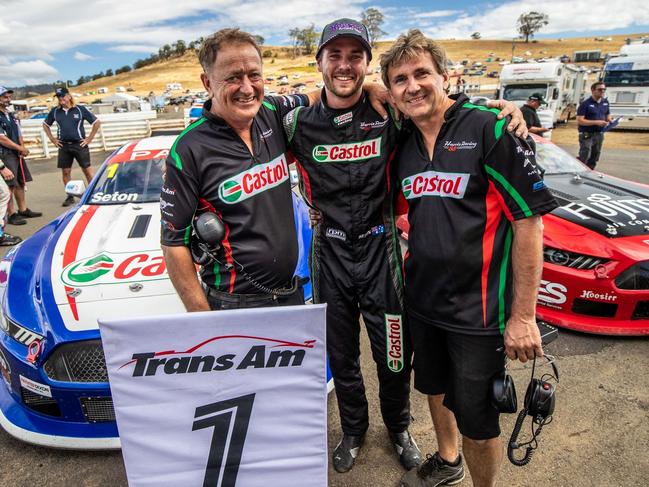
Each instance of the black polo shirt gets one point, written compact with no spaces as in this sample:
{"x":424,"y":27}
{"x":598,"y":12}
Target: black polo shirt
{"x":458,"y":270}
{"x":10,"y":127}
{"x":70,"y":122}
{"x":210,"y":168}
{"x":531,"y":117}
{"x":591,"y":110}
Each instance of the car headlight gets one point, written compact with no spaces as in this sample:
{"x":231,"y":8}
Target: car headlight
{"x":571,"y":259}
{"x":635,"y":277}
{"x":18,"y":333}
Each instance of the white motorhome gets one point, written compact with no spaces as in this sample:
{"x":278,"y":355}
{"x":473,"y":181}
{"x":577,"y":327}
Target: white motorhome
{"x":562,"y":85}
{"x":627,"y":85}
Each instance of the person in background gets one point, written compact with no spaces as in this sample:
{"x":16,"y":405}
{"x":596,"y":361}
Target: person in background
{"x":13,"y":153}
{"x":593,"y":115}
{"x":6,"y":239}
{"x":531,"y":117}
{"x":71,"y":136}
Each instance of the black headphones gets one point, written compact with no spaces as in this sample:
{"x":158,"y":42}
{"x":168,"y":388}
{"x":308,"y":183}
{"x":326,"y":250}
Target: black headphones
{"x":208,"y":232}
{"x":539,"y":404}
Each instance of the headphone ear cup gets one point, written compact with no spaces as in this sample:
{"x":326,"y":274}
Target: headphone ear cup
{"x":503,"y":393}
{"x":539,"y":398}
{"x":199,"y":256}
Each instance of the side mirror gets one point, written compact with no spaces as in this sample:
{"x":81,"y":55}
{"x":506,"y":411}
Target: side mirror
{"x":555,"y":94}
{"x":75,"y":188}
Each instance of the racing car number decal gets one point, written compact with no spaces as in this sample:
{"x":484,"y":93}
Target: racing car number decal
{"x":115,"y":268}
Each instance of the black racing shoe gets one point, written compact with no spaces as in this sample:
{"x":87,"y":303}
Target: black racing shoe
{"x":346,"y":452}
{"x":434,"y":472}
{"x":69,"y":201}
{"x":8,"y":240}
{"x":16,"y":219}
{"x":29,"y":213}
{"x":406,"y":448}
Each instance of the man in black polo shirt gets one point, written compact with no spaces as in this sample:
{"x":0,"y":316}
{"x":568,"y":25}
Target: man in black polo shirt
{"x":71,"y":136}
{"x":473,"y":267}
{"x":531,"y":117}
{"x":232,"y":162}
{"x":593,"y":115}
{"x":13,"y":153}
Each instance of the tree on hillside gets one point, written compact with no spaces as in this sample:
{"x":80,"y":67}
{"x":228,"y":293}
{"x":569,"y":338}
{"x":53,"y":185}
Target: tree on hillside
{"x":308,"y":39}
{"x":259,"y":40}
{"x":372,"y":18}
{"x":531,"y":22}
{"x":165,"y":51}
{"x":476,"y":35}
{"x":294,"y":35}
{"x":123,"y":69}
{"x":179,"y":47}
{"x":109,"y":72}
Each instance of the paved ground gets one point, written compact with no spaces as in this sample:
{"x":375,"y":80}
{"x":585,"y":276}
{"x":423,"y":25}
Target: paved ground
{"x":599,"y":437}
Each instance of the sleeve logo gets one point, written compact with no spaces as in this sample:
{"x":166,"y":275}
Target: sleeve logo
{"x":254,"y":181}
{"x":433,"y":183}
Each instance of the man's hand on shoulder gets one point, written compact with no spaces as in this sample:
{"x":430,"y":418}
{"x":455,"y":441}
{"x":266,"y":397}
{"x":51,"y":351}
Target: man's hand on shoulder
{"x":517,"y":124}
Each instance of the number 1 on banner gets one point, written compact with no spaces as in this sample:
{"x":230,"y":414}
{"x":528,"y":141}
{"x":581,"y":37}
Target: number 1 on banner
{"x":230,"y":420}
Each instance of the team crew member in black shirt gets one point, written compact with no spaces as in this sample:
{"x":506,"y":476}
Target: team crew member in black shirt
{"x":344,"y":148}
{"x":532,"y":119}
{"x":232,"y":161}
{"x":71,"y":136}
{"x":13,"y":153}
{"x":474,"y":197}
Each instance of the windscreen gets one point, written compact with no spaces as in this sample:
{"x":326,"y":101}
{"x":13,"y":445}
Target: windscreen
{"x":627,"y":78}
{"x":523,"y":92}
{"x":555,"y":160}
{"x":129,"y":182}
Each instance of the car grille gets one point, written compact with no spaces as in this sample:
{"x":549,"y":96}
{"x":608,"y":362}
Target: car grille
{"x":635,"y":277}
{"x":40,"y":404}
{"x":98,"y":409}
{"x":594,"y":308}
{"x":78,"y":362}
{"x":641,"y":311}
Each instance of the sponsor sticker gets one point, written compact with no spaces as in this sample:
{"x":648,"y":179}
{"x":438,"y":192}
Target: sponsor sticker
{"x":538,"y":186}
{"x":100,"y":197}
{"x":603,"y":296}
{"x":35,"y":387}
{"x":335,"y":233}
{"x":552,"y":294}
{"x":5,"y":369}
{"x":255,"y":180}
{"x":394,"y":339}
{"x":376,"y":230}
{"x":604,"y":205}
{"x":115,"y":268}
{"x":433,"y":183}
{"x":353,"y":151}
{"x":373,"y":125}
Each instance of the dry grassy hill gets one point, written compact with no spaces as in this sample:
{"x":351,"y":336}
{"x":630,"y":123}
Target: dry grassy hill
{"x":186,"y":70}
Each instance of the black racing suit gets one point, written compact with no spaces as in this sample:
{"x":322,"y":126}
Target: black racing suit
{"x":209,"y":168}
{"x":343,"y":158}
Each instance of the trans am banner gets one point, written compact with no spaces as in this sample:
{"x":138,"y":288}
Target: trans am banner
{"x":223,"y":399}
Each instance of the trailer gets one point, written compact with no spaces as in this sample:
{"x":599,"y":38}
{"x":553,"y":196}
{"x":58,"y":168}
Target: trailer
{"x":563,"y":86}
{"x":627,"y":86}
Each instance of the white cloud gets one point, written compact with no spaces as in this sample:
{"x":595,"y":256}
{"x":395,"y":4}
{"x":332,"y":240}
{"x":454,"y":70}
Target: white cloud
{"x":436,"y":14}
{"x":79,"y":56}
{"x":27,"y":72}
{"x":145,"y":48}
{"x":587,"y":16}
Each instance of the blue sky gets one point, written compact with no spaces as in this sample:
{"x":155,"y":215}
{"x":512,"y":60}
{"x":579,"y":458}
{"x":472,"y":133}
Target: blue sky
{"x":70,"y":38}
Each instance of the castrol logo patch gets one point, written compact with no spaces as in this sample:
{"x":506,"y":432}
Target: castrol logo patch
{"x":254,"y":181}
{"x":354,"y":151}
{"x":433,"y":183}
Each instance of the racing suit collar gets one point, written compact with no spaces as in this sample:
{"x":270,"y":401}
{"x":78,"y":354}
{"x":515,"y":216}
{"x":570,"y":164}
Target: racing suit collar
{"x":460,"y":99}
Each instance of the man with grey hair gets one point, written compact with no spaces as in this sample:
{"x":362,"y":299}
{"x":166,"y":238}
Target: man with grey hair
{"x":474,"y":199}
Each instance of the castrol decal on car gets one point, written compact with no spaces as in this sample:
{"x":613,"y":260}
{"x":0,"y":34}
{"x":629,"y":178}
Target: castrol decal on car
{"x":254,"y":181}
{"x":394,"y":342}
{"x":351,"y":152}
{"x":433,"y":183}
{"x":113,"y":268}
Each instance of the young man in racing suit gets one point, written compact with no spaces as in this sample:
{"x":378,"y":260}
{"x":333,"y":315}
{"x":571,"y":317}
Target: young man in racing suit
{"x":343,"y":150}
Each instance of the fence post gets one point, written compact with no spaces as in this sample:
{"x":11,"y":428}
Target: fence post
{"x":103,"y":139}
{"x":44,"y":140}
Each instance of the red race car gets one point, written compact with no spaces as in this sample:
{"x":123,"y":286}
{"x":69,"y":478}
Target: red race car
{"x":595,"y":248}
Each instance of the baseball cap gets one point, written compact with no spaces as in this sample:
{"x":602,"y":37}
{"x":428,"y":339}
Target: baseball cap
{"x":345,"y":28}
{"x":4,"y":90}
{"x":538,"y":97}
{"x":61,"y":92}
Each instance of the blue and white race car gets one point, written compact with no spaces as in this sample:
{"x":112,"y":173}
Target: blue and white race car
{"x":100,"y":259}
